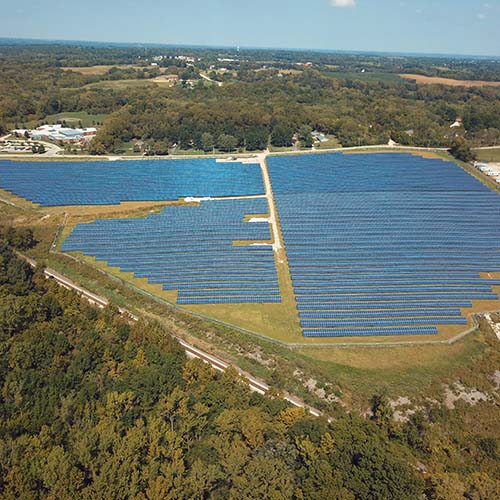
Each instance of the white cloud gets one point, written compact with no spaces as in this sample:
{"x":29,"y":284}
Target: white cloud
{"x":343,"y":3}
{"x":481,"y":16}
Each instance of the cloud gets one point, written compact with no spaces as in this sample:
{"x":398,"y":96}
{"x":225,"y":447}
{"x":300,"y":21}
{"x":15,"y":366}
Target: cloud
{"x":343,"y":3}
{"x":481,"y":16}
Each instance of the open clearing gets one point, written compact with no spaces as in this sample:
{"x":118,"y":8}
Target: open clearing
{"x":121,"y":84}
{"x":275,"y":320}
{"x":97,"y":70}
{"x":72,"y":118}
{"x":433,"y":80}
{"x":366,"y":77}
{"x":488,"y":155}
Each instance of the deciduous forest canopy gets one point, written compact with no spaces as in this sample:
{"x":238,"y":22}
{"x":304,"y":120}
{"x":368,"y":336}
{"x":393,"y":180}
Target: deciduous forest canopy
{"x":95,"y":407}
{"x":266,"y":96}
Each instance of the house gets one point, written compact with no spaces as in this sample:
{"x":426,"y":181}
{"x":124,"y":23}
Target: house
{"x":319,"y":136}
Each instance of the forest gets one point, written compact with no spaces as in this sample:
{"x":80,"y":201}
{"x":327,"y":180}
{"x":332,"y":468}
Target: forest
{"x":267,"y":97}
{"x":93,"y":406}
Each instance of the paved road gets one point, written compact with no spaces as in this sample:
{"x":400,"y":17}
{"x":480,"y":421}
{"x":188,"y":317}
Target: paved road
{"x":205,"y":77}
{"x":55,"y":150}
{"x":270,"y":201}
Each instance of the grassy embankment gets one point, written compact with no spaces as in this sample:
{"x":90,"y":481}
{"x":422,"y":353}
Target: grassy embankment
{"x":355,"y":371}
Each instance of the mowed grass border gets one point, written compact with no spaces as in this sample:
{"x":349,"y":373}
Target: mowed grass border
{"x":354,"y":373}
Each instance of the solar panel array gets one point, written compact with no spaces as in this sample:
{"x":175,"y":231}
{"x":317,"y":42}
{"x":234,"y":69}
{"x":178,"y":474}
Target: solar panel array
{"x":190,"y":249}
{"x":108,"y":183}
{"x":384,"y":244}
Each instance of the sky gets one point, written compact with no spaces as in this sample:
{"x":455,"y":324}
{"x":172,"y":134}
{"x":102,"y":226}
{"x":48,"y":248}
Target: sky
{"x":469,"y":27}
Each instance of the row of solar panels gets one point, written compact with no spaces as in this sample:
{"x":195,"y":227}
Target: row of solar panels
{"x":368,"y":332}
{"x":77,"y":183}
{"x":391,"y":313}
{"x":378,"y":305}
{"x":374,"y":322}
{"x":333,"y":291}
{"x":201,"y":273}
{"x":301,"y":283}
{"x":228,"y":300}
{"x":395,"y":296}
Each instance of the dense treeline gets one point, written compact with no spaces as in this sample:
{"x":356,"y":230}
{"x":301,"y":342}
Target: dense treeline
{"x":274,"y":110}
{"x":89,"y":53}
{"x":94,"y":407}
{"x":255,"y":106}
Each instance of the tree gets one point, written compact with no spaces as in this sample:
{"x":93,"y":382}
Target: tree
{"x":281,"y":136}
{"x":227,"y":142}
{"x":305,"y":136}
{"x":207,"y":142}
{"x":381,"y":411}
{"x":461,"y":150}
{"x":256,"y":138}
{"x":23,"y":238}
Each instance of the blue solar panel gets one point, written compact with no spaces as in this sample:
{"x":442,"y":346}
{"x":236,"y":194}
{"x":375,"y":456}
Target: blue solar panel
{"x":203,"y":274}
{"x":105,"y":183}
{"x":384,"y":240}
{"x":369,"y":332}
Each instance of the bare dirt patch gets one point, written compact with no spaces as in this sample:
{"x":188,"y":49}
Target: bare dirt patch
{"x":458,"y":391}
{"x":429,"y":80}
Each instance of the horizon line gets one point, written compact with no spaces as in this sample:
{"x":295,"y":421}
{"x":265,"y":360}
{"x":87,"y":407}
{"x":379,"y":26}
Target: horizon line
{"x":58,"y":41}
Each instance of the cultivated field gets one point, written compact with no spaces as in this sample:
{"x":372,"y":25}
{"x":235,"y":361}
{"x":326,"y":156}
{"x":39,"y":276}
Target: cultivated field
{"x":488,"y":155}
{"x":97,"y":70}
{"x":366,"y":77}
{"x":433,"y":80}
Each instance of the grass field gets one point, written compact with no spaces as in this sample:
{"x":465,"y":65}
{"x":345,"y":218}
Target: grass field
{"x":72,"y":118}
{"x":367,"y":77}
{"x":121,"y":84}
{"x":97,"y":70}
{"x":415,"y":370}
{"x":433,"y":80}
{"x":332,"y":143}
{"x":488,"y":155}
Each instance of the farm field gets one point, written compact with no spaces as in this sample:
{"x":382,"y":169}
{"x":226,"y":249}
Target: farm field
{"x":125,"y":84}
{"x":366,"y":77}
{"x":488,"y":155}
{"x":433,"y":80}
{"x":374,"y":247}
{"x":98,"y":69}
{"x":72,"y":118}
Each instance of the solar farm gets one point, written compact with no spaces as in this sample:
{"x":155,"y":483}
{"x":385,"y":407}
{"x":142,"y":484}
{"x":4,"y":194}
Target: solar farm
{"x":109,"y":183}
{"x":190,"y":249}
{"x":384,"y":244}
{"x":378,"y":245}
